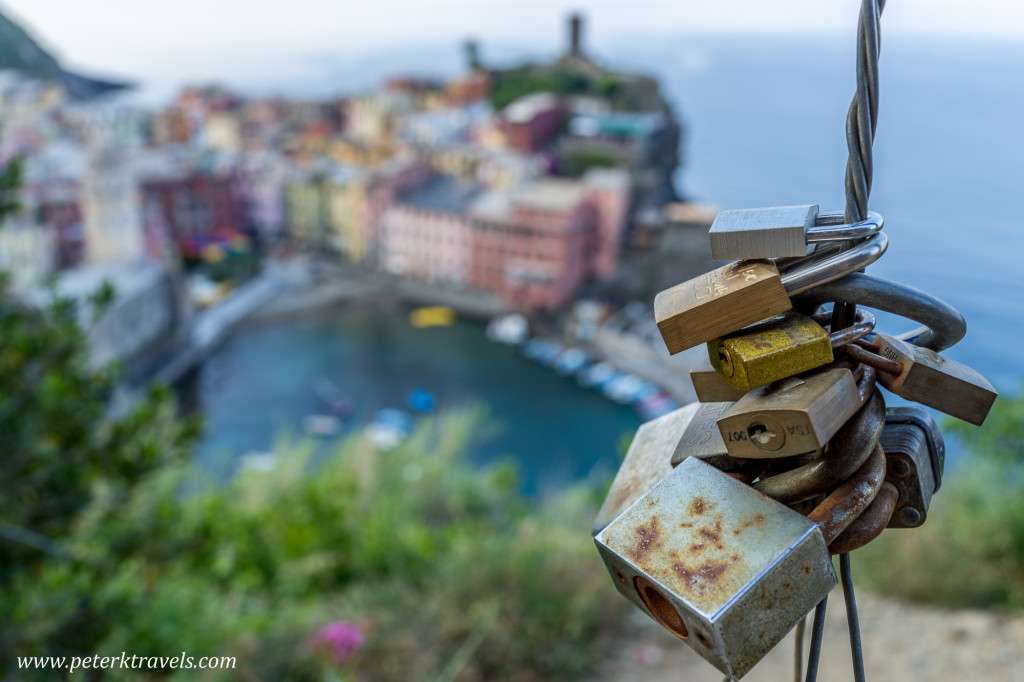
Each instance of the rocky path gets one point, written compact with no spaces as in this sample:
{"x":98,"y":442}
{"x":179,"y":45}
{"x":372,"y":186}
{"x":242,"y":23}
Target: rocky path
{"x":901,"y":642}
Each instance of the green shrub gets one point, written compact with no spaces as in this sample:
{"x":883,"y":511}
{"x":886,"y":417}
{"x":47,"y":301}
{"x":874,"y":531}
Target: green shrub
{"x":451,"y":573}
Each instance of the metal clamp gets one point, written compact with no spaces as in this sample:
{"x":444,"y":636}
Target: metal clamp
{"x":944,"y":325}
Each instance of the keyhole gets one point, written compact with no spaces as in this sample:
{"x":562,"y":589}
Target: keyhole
{"x":761,"y":434}
{"x":726,"y":362}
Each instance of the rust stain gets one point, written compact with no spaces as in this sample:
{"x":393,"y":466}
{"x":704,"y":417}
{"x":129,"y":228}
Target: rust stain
{"x":686,"y":524}
{"x":697,"y":547}
{"x":714,"y":536}
{"x":755,"y":521}
{"x":701,"y":579}
{"x":648,"y":537}
{"x":699,"y":506}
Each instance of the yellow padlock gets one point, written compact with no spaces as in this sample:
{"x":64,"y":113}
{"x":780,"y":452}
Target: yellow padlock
{"x":780,"y":347}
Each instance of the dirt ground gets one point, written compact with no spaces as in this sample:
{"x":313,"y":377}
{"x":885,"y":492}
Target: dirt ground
{"x":901,"y":642}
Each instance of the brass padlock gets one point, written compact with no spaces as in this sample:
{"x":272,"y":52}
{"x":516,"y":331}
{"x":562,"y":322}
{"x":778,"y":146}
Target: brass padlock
{"x":940,"y":383}
{"x":915,"y":454}
{"x":709,"y":385}
{"x":702,"y":439}
{"x":718,"y":302}
{"x":742,"y":293}
{"x":723,"y":567}
{"x":646,"y":462}
{"x":780,"y":347}
{"x":782,"y":231}
{"x":794,"y":416}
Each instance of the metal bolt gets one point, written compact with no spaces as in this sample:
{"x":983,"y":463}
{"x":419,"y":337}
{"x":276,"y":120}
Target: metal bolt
{"x":910,"y":517}
{"x":899,"y":468}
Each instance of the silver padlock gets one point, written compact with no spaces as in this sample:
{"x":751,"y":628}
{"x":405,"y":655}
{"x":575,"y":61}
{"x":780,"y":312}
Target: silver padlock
{"x":781,"y":231}
{"x":647,"y":462}
{"x":723,"y":567}
{"x":703,"y":440}
{"x":915,"y":455}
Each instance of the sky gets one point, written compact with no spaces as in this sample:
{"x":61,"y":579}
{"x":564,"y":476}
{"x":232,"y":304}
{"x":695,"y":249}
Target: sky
{"x":185,"y":40}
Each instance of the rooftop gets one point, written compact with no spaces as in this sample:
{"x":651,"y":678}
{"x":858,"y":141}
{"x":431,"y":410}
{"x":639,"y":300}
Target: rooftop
{"x":443,"y":193}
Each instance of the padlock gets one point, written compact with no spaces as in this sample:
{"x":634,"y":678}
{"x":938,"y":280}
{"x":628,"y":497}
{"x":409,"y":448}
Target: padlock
{"x":944,"y":325}
{"x":703,"y":440}
{"x":646,"y":462}
{"x":781,"y":232}
{"x":742,"y":293}
{"x":709,"y":385}
{"x":794,"y":416}
{"x":915,"y":454}
{"x":723,"y":567}
{"x":780,"y":347}
{"x":940,"y":383}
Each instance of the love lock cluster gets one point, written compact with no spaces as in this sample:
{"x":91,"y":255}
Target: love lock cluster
{"x":722,"y":519}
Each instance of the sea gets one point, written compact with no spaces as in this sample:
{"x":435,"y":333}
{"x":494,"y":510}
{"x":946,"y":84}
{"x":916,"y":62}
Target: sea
{"x":764,"y":126}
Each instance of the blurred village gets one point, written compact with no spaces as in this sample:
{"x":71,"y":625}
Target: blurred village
{"x":518,"y":190}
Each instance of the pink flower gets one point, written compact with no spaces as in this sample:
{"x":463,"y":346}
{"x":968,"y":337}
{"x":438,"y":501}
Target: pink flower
{"x":338,"y":641}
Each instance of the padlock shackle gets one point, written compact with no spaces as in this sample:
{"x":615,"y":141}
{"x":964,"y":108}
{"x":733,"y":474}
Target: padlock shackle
{"x":831,"y":227}
{"x":849,"y":500}
{"x":868,"y":525}
{"x":846,"y":453}
{"x":944,"y":325}
{"x":815,"y":271}
{"x":864,"y":325}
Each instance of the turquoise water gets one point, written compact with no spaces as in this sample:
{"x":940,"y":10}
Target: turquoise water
{"x":259,"y":384}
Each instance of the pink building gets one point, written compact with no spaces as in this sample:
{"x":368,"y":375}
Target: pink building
{"x":609,"y":189}
{"x":426,"y":234}
{"x":532,"y":121}
{"x":535,"y":246}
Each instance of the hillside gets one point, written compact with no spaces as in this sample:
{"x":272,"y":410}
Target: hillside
{"x":20,"y":52}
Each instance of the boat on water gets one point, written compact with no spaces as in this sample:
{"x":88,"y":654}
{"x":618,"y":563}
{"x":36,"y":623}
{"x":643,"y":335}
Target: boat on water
{"x":334,"y":400}
{"x":656,"y":405}
{"x":321,"y":425}
{"x":571,"y":361}
{"x":420,"y":400}
{"x":389,"y":428}
{"x":509,"y":329}
{"x":627,"y":388}
{"x":597,"y":375}
{"x":432,"y":316}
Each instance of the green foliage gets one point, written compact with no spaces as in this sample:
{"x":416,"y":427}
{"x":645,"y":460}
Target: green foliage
{"x":970,"y":552}
{"x":62,"y":458}
{"x":449,"y":571}
{"x":576,"y":162}
{"x":514,"y":83}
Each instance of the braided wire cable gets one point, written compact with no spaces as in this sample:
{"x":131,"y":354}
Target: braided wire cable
{"x":862,"y":116}
{"x":861,"y":120}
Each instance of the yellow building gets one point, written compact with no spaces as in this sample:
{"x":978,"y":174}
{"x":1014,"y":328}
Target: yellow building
{"x":348,"y":212}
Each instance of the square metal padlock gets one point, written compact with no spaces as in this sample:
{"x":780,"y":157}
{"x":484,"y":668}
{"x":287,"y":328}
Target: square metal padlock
{"x":726,"y":569}
{"x":648,"y":460}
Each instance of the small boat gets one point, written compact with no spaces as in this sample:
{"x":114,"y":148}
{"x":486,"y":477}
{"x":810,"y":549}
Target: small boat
{"x":550,"y":354}
{"x":389,"y":428}
{"x":510,"y":329}
{"x":597,"y":375}
{"x":322,"y":425}
{"x":572,"y":361}
{"x":533,"y":348}
{"x":433,"y":316}
{"x":420,"y":400}
{"x":657,"y":405}
{"x":626,"y":388}
{"x":336,"y":402}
